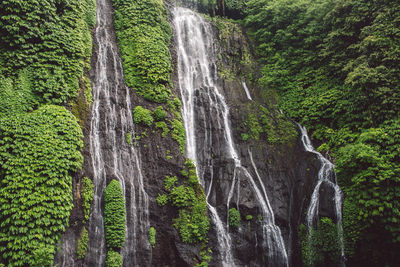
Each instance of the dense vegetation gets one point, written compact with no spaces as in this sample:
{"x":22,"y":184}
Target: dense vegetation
{"x":45,"y":48}
{"x":188,"y":196}
{"x":336,"y":67}
{"x":114,"y":216}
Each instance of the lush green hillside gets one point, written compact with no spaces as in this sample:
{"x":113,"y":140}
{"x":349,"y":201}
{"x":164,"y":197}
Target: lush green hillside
{"x":45,"y":47}
{"x":336,"y":67}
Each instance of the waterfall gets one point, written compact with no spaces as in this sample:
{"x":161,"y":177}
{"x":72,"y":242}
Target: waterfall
{"x":246,"y":90}
{"x":111,"y":157}
{"x":206,"y":118}
{"x":326,"y":175}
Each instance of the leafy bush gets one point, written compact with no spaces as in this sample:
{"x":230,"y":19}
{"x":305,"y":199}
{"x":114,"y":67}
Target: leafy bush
{"x":233,"y":217}
{"x":51,"y":39}
{"x":178,"y":134}
{"x":182,"y":196}
{"x":249,"y":217}
{"x":43,"y":256}
{"x":87,"y":196}
{"x":152,"y":236}
{"x":170,"y":182}
{"x":162,"y":200}
{"x":128,"y":138}
{"x":82,"y":244}
{"x":142,"y":115}
{"x":159,"y":113}
{"x":144,"y":35}
{"x":38,"y":153}
{"x":114,"y":216}
{"x":163,"y":126}
{"x":320,"y":247}
{"x":114,"y":259}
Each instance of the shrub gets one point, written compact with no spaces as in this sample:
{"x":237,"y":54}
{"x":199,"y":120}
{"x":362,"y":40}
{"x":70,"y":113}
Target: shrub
{"x":38,"y":153}
{"x":170,"y":182}
{"x":144,"y":38}
{"x":152,"y":236}
{"x":234,"y":217}
{"x":163,"y":126}
{"x":249,"y":217}
{"x":114,"y":215}
{"x":128,"y":138}
{"x":182,"y":196}
{"x":142,"y":115}
{"x":43,"y":256}
{"x":114,"y":259}
{"x":162,"y":200}
{"x":159,"y":113}
{"x":87,"y":196}
{"x":178,"y":134}
{"x":83,"y":244}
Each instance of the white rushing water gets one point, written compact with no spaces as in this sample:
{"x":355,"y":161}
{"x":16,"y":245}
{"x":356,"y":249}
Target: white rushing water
{"x":326,"y":174}
{"x":197,"y":75}
{"x":246,"y":90}
{"x":111,"y":156}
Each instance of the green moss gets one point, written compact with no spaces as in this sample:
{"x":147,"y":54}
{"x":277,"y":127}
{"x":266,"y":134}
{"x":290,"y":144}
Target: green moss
{"x":113,"y":259}
{"x":114,"y":215}
{"x":82,"y":244}
{"x":143,"y":116}
{"x":168,"y":155}
{"x":128,"y":138}
{"x":152,"y":236}
{"x":87,"y":196}
{"x":178,"y":134}
{"x":233,"y":217}
{"x":163,"y":126}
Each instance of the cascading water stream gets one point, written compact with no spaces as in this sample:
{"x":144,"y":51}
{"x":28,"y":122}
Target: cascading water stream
{"x":246,"y":89}
{"x":110,"y":155}
{"x":198,"y":83}
{"x":326,"y":174}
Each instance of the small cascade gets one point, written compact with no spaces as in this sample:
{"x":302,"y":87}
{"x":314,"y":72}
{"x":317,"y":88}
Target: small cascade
{"x":111,"y":157}
{"x":206,"y":118}
{"x":247,"y":91}
{"x":327,"y":176}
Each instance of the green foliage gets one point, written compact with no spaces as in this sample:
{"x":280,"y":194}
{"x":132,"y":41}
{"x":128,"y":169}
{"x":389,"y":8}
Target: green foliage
{"x":178,"y":134}
{"x":193,"y":223}
{"x":182,"y":196}
{"x":113,"y":259}
{"x":320,"y":246}
{"x":273,"y":126}
{"x":169,"y":182}
{"x":162,"y":200}
{"x":82,"y":244}
{"x":43,"y":256}
{"x":144,"y":35}
{"x":87,"y":196}
{"x":38,"y":153}
{"x":336,"y":68}
{"x":49,"y":39}
{"x":143,"y":116}
{"x":159,"y":113}
{"x":249,"y":217}
{"x":114,"y":215}
{"x":163,"y":126}
{"x":152,"y":236}
{"x":128,"y":138}
{"x":233,"y":217}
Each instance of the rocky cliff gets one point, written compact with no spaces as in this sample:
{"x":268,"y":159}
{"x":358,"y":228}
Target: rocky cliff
{"x":266,"y":142}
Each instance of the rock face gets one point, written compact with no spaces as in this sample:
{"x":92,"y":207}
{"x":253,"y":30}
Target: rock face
{"x":287,"y":172}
